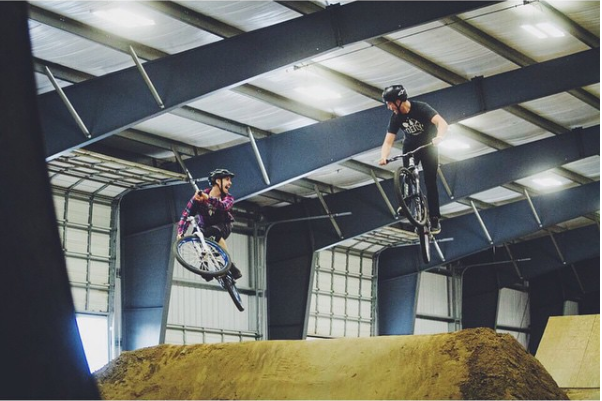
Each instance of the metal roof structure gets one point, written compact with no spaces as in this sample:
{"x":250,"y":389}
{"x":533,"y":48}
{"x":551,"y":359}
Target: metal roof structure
{"x":264,"y":94}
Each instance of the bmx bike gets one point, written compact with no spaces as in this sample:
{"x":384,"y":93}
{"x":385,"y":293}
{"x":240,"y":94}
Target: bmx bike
{"x":412,"y":201}
{"x":205,"y":257}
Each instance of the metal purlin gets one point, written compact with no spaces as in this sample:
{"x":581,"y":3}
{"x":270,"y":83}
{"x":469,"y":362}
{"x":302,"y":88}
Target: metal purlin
{"x":67,"y":103}
{"x":264,"y":173}
{"x":146,"y":78}
{"x":383,"y":194}
{"x":476,"y":212}
{"x":330,"y":215}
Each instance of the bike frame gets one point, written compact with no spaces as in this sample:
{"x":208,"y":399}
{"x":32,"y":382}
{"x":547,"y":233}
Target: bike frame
{"x":196,"y":230}
{"x":411,"y":171}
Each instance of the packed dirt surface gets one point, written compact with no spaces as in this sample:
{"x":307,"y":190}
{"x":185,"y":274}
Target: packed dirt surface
{"x":468,"y":364}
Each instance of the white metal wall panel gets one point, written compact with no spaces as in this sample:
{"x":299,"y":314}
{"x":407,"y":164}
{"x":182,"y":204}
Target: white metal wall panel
{"x":522,"y":338}
{"x":101,"y":216}
{"x":426,"y":326}
{"x":99,"y":244}
{"x":433,"y":295}
{"x":513,"y":309}
{"x":204,"y":307}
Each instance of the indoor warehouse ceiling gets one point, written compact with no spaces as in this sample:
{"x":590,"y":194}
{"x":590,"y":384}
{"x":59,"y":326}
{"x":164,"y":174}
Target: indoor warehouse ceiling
{"x":78,"y":43}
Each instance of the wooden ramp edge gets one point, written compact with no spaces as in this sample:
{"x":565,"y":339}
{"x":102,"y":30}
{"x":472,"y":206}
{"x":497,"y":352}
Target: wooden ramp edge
{"x":570,"y":352}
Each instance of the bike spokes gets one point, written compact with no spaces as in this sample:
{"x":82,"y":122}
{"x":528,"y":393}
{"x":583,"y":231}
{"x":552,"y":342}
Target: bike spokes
{"x":208,"y":259}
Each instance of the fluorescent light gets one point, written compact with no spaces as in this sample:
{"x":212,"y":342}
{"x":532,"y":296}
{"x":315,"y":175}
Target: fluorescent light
{"x":454,"y":144}
{"x":534,"y":31}
{"x":547,"y":182}
{"x":318,"y":92}
{"x":123,"y":17}
{"x":550,"y":29}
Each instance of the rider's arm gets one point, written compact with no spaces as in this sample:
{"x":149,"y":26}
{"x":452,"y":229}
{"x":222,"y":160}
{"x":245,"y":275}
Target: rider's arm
{"x":183,"y":223}
{"x":442,"y":126}
{"x":223,"y":204}
{"x":386,"y":148}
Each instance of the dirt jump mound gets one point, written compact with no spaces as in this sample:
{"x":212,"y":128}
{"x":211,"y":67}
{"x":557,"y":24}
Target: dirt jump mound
{"x":468,"y":364}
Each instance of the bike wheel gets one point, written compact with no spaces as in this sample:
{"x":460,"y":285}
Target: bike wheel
{"x":425,"y":245}
{"x":411,"y":200}
{"x":227,"y":282}
{"x":212,"y":261}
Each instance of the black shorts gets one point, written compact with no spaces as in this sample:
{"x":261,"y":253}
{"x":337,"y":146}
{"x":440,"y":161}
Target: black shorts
{"x":218,"y":231}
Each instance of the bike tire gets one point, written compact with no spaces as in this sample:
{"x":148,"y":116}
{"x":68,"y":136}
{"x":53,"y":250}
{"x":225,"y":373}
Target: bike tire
{"x":409,"y":197}
{"x":425,"y":245}
{"x":228,"y":283}
{"x":217,"y":263}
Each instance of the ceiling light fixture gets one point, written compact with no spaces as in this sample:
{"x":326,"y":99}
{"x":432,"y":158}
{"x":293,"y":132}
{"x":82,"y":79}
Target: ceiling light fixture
{"x":547,"y":182}
{"x":550,"y":30}
{"x":123,"y":17}
{"x":543,"y":30}
{"x":318,"y":92}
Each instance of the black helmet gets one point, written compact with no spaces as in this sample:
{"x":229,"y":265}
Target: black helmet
{"x":219,"y":173}
{"x":395,"y":92}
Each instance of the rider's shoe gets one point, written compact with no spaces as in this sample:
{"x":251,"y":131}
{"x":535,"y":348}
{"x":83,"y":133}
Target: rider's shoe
{"x":435,"y":225}
{"x":206,"y":277}
{"x":234,"y":272}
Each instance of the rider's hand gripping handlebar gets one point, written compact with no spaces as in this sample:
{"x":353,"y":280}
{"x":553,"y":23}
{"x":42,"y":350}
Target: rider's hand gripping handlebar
{"x":411,"y":152}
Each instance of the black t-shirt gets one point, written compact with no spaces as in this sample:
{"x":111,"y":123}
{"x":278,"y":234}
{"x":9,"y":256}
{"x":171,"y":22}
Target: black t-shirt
{"x":416,"y":125}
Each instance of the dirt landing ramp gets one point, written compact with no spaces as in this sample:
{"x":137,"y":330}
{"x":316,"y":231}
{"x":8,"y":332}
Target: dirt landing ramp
{"x":469,"y":364}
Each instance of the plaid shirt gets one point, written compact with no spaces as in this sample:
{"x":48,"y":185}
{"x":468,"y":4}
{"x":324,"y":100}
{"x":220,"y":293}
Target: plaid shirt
{"x":211,"y":212}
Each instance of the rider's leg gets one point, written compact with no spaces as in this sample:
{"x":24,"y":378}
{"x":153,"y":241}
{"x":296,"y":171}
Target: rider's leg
{"x":429,"y":158}
{"x":221,"y":233}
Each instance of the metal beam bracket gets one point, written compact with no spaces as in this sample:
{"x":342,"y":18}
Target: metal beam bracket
{"x":147,"y":80}
{"x":445,"y":184}
{"x":264,"y":173}
{"x":560,"y":255}
{"x":191,"y":180}
{"x":476,"y":212}
{"x":384,"y":195}
{"x":65,"y":100}
{"x":516,"y":269}
{"x":437,"y":248}
{"x":533,"y":208}
{"x":330,"y":215}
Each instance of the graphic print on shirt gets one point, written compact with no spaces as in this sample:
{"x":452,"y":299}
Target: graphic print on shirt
{"x":412,"y":126}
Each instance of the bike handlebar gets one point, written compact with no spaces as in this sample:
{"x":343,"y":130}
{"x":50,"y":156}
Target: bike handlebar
{"x":411,"y":152}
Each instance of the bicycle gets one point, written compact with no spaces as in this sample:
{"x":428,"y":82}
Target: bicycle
{"x":205,"y":257}
{"x":412,"y":201}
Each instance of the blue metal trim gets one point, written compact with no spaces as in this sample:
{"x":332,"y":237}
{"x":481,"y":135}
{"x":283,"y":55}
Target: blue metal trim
{"x":117,"y":101}
{"x":504,"y":224}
